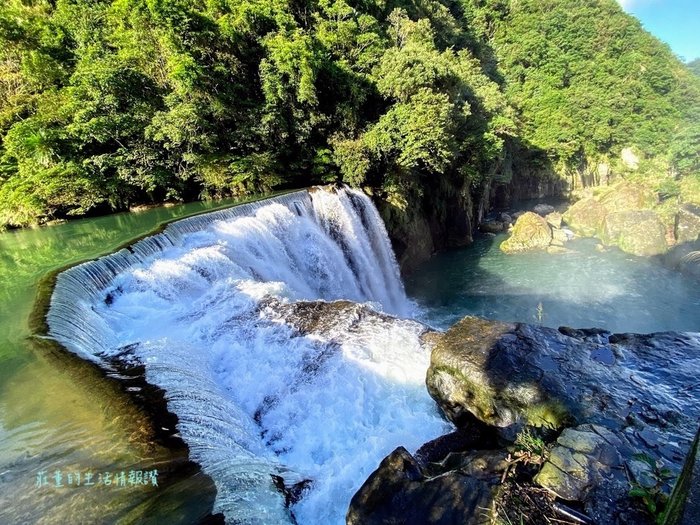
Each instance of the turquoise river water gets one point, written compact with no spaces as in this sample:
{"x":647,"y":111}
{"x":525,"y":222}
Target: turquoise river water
{"x":587,"y":287}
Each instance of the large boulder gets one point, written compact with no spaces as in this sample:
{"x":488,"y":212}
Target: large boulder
{"x":530,"y":232}
{"x":687,"y":227}
{"x":585,"y":216}
{"x":543,"y":210}
{"x":626,"y":395}
{"x":465,"y":383}
{"x":399,"y":492}
{"x":639,"y":232}
{"x":629,"y":196}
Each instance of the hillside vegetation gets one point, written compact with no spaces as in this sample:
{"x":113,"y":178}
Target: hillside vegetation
{"x":105,"y":104}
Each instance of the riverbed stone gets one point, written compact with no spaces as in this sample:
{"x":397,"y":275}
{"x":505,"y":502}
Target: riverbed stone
{"x":530,"y":232}
{"x":639,"y":232}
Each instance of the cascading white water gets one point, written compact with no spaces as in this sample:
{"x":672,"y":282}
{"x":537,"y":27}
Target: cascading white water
{"x":254,"y":397}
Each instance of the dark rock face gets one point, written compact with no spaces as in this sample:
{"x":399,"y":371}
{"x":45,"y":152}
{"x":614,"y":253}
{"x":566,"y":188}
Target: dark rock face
{"x":492,"y":227}
{"x":419,"y":225}
{"x":624,"y":393}
{"x":543,"y":209}
{"x":398,"y":492}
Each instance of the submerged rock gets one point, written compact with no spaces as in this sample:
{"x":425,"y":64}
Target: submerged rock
{"x":530,"y":232}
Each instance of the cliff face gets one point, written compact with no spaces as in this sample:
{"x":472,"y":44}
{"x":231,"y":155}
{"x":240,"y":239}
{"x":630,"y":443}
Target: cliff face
{"x":437,"y":219}
{"x":447,"y":215}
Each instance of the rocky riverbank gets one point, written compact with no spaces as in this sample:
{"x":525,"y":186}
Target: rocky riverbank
{"x":584,"y":426}
{"x":627,"y":216}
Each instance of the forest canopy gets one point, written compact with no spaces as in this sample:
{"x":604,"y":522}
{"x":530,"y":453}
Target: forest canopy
{"x":109,"y":103}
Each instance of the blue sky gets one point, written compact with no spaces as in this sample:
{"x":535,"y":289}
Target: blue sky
{"x":676,"y":22}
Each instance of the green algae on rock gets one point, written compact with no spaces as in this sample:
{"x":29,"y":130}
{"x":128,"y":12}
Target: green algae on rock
{"x":639,"y":232}
{"x":531,"y":231}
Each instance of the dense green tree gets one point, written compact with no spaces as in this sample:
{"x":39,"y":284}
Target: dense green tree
{"x":694,"y":66}
{"x":108,"y":103}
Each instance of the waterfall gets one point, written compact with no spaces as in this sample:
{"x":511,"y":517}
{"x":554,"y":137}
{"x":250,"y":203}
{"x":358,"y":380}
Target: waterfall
{"x":253,"y":397}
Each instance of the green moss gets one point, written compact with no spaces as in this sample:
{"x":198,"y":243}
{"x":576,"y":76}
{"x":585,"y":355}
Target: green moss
{"x":552,"y":414}
{"x":479,"y":399}
{"x":530,"y":232}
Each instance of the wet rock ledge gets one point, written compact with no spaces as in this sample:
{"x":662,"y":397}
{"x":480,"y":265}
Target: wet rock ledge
{"x":553,"y":426}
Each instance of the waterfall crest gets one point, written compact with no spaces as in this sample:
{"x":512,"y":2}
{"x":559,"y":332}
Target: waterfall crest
{"x":254,"y":397}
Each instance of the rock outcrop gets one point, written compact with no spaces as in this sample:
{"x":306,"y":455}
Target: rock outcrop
{"x":613,"y":396}
{"x":400,"y":492}
{"x":530,"y":232}
{"x":639,"y":232}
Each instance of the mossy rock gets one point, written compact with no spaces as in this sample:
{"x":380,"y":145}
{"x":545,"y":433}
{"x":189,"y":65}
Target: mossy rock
{"x":530,"y":232}
{"x":467,"y":380}
{"x":554,"y":219}
{"x":629,"y":196}
{"x":585,"y":217}
{"x":639,"y":232}
{"x":687,"y":226}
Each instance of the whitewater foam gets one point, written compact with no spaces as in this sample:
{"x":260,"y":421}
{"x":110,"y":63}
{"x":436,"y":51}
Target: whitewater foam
{"x":253,"y":395}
